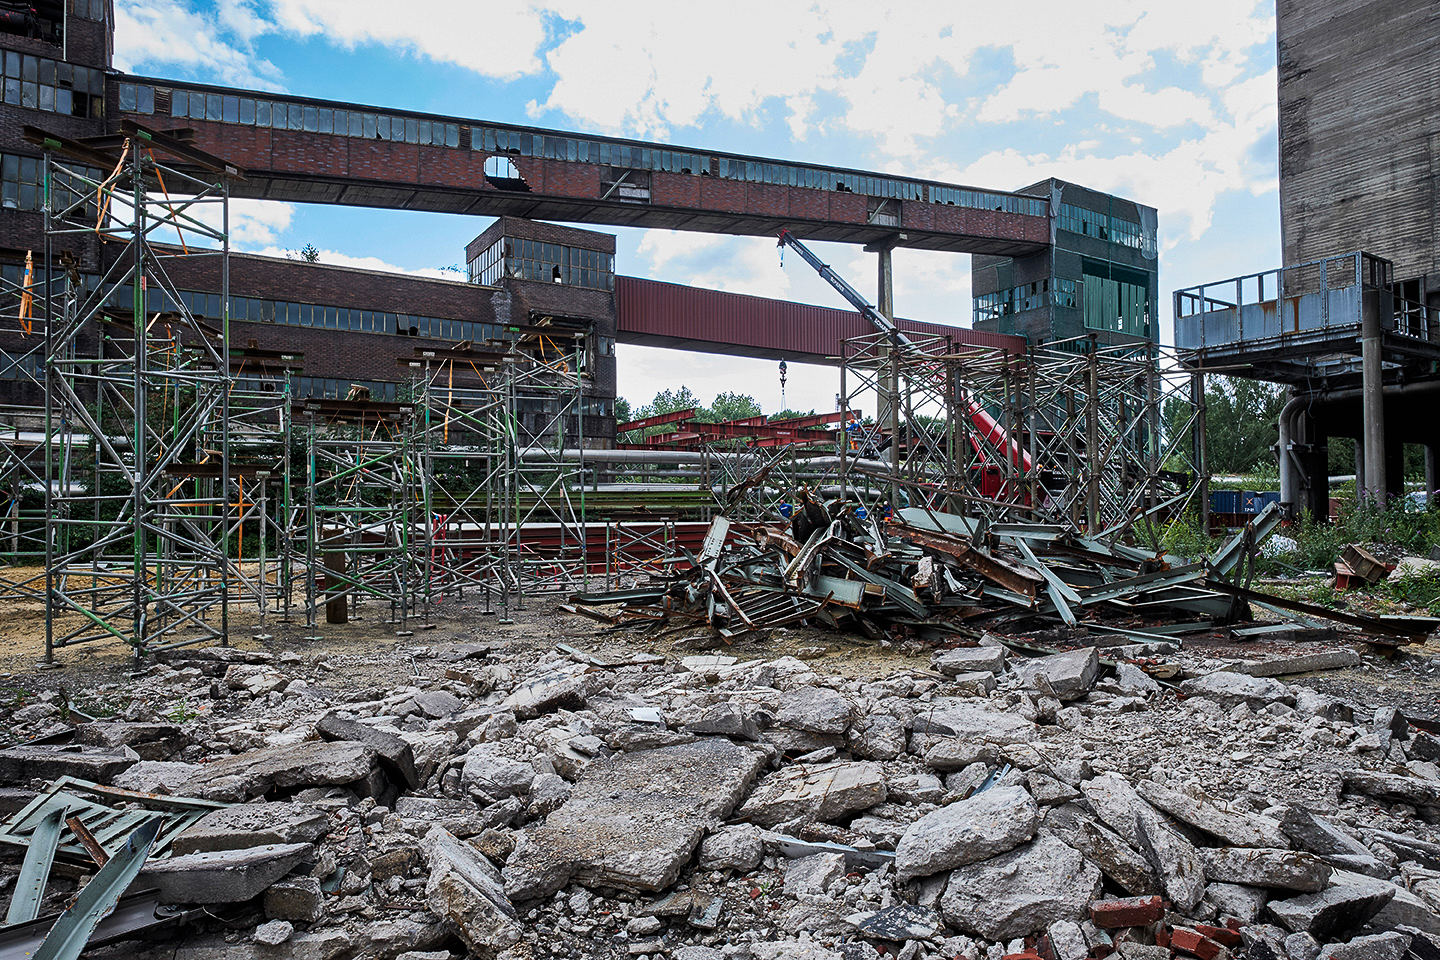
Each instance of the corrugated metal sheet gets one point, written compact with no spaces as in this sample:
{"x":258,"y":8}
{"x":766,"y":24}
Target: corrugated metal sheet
{"x":661,"y":314}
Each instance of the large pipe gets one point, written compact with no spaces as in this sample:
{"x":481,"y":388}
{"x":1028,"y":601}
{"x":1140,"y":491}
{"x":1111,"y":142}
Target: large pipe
{"x":1289,"y":487}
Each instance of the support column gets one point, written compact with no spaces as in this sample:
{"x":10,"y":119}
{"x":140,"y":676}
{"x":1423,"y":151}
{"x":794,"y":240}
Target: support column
{"x":1201,"y":454}
{"x":890,"y":396}
{"x":1372,"y":387}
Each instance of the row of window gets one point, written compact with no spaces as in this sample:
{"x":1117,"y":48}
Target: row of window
{"x":331,"y":388}
{"x":1027,"y":296}
{"x":22,"y":184}
{"x":198,"y":105}
{"x":1126,"y":233}
{"x":54,"y":86}
{"x":249,"y":112}
{"x":549,"y":262}
{"x":259,"y":310}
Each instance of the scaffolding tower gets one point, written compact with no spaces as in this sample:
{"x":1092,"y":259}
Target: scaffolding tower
{"x":137,"y":513}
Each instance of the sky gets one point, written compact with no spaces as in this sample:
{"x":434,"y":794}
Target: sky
{"x":1169,"y":104}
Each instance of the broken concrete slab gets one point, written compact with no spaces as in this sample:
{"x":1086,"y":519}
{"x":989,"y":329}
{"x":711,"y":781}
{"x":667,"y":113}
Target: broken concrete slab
{"x":545,"y":694}
{"x":489,"y":772}
{"x":738,"y":847}
{"x":1229,"y":689}
{"x":1407,"y":847}
{"x":1380,"y":946}
{"x":952,"y":753}
{"x":634,"y":819}
{"x":971,"y":720}
{"x":1123,"y":864}
{"x":1066,"y":676}
{"x":257,"y":772}
{"x":1131,"y":681}
{"x":825,"y":793}
{"x":437,"y":704}
{"x":460,"y":817}
{"x":150,"y":741}
{"x":1329,"y":842}
{"x":967,"y":831}
{"x":1235,"y":900}
{"x":812,"y":876}
{"x":1116,"y":803}
{"x":156,"y":776}
{"x":1343,"y":906}
{"x":1305,"y":663}
{"x":814,"y":710}
{"x":299,"y":900}
{"x":467,"y":889}
{"x":392,"y":750}
{"x":20,"y":765}
{"x":1393,"y":787}
{"x":969,"y":660}
{"x":1272,"y":869}
{"x":724,"y":719}
{"x":249,"y":825}
{"x":223,"y":876}
{"x":1174,"y":858}
{"x":1021,"y":892}
{"x":1237,"y":829}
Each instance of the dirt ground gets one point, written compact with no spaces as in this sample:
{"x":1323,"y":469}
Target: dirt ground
{"x":371,"y":648}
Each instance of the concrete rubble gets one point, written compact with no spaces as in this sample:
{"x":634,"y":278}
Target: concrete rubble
{"x":1078,"y":804}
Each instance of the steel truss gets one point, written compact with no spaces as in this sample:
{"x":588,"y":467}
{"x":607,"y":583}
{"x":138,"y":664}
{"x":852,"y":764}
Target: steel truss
{"x":137,"y":514}
{"x":1075,"y":431}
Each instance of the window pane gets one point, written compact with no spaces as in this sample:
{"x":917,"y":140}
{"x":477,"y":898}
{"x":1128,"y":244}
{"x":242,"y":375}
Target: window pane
{"x":232,"y":109}
{"x":247,"y":111}
{"x":147,"y":98}
{"x":327,"y":121}
{"x":422,"y":131}
{"x":214,"y":106}
{"x":312,"y":119}
{"x":452,"y":135}
{"x":296,"y":115}
{"x":382,"y":127}
{"x":127,"y":96}
{"x":370,"y":126}
{"x":357,"y":125}
{"x":342,"y":122}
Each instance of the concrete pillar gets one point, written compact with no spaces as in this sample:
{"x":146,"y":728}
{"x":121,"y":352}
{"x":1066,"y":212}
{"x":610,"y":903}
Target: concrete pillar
{"x":1359,"y":467}
{"x":1373,"y":404}
{"x":889,"y":412}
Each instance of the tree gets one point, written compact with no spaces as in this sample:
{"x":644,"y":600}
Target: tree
{"x":730,"y":406}
{"x":622,"y":410}
{"x":1241,"y":418}
{"x":309,"y":253}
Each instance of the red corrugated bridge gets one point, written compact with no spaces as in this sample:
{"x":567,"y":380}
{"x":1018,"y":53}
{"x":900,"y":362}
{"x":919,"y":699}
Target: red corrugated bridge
{"x":652,"y":313}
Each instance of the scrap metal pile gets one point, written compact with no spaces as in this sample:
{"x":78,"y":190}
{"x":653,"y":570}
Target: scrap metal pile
{"x":929,"y":575}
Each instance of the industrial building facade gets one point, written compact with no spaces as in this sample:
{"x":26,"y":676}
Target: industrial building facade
{"x":1351,"y":322}
{"x":1051,"y":262}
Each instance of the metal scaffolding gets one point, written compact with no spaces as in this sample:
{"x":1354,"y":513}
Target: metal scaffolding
{"x":1076,"y":431}
{"x":137,"y":513}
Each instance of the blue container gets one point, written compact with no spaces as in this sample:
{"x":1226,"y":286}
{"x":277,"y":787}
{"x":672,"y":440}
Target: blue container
{"x":1225,"y":501}
{"x":1249,"y":501}
{"x":1269,"y":497}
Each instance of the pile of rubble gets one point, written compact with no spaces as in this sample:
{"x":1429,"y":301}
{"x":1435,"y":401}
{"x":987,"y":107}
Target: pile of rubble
{"x":932,"y":576}
{"x":995,"y":805}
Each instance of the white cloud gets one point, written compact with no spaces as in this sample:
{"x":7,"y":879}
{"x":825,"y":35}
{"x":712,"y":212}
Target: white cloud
{"x":491,"y":39}
{"x":151,"y":34}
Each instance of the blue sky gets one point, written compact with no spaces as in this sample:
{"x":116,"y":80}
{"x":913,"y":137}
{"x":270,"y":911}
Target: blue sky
{"x":1170,"y":104}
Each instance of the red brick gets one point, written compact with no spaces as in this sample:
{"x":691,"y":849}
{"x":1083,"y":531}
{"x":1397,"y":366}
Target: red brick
{"x":1195,"y":943}
{"x":1128,"y":912}
{"x":1225,"y":935}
